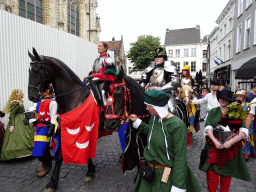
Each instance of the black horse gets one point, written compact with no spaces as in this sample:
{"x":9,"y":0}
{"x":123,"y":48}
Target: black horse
{"x":125,"y":97}
{"x":69,"y":91}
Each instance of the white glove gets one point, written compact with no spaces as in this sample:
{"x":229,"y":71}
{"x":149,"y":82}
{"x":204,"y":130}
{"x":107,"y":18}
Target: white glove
{"x":176,"y":189}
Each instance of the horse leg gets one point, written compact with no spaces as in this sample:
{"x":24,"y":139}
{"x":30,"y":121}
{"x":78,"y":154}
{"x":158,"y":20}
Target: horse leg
{"x":90,"y":173}
{"x":53,"y":183}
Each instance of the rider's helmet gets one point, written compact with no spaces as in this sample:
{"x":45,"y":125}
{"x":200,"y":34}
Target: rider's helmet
{"x":160,"y":52}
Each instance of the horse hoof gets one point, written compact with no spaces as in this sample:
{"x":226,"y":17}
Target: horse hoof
{"x":49,"y":190}
{"x":88,"y":179}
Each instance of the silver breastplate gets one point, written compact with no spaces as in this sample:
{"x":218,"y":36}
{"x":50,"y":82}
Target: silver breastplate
{"x":98,"y":64}
{"x":157,"y":77}
{"x":185,"y":81}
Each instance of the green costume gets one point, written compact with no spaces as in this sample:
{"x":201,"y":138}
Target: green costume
{"x":20,"y":142}
{"x":234,"y":168}
{"x":156,"y":153}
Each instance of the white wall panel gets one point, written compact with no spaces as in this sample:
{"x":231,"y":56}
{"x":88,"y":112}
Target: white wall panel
{"x":18,"y":35}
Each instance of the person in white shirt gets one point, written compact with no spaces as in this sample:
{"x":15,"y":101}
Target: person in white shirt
{"x":210,"y":98}
{"x":251,"y":116}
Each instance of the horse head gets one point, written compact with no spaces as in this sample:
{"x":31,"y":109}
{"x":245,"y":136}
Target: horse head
{"x":185,"y":93}
{"x":124,"y":97}
{"x":39,"y":77}
{"x":69,"y":90}
{"x":116,"y":103}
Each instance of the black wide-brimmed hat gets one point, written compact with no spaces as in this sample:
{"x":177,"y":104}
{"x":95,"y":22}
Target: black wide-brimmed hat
{"x":226,"y":94}
{"x":215,"y":82}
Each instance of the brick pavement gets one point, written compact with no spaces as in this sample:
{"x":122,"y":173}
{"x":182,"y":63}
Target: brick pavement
{"x":19,"y":175}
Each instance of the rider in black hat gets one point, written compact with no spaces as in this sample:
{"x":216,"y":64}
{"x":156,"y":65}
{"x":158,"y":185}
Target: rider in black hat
{"x":162,"y":75}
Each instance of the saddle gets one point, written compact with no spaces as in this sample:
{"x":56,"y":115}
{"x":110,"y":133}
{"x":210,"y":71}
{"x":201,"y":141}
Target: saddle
{"x":94,"y":87}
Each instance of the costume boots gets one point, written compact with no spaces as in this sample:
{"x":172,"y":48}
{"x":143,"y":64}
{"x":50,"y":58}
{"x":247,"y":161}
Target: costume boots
{"x":189,"y":138}
{"x":42,"y":171}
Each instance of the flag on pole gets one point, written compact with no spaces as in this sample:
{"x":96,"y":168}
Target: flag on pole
{"x":220,"y":60}
{"x":216,"y":62}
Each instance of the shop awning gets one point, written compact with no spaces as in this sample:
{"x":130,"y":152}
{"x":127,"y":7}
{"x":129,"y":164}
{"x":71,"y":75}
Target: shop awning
{"x":247,"y":70}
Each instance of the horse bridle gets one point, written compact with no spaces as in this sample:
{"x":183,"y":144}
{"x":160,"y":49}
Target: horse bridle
{"x":40,"y":88}
{"x":110,"y":101}
{"x":127,"y":98}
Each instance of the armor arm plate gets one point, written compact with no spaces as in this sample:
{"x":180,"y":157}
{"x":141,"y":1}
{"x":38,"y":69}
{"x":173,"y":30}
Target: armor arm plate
{"x":146,"y":76}
{"x":173,"y":84}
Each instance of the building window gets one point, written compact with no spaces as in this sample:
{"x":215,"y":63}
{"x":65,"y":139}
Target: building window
{"x":171,"y":53}
{"x":204,"y":67}
{"x":220,"y":33}
{"x":230,"y":24}
{"x":178,"y":66}
{"x":73,"y":18}
{"x":248,"y":3}
{"x":229,"y":50}
{"x":247,"y":32}
{"x":177,"y":52}
{"x":185,"y":63}
{"x":240,"y":7}
{"x":224,"y":30}
{"x":193,"y":66}
{"x":193,"y":52}
{"x":185,"y":52}
{"x":31,"y":9}
{"x":220,"y":55}
{"x":205,"y":54}
{"x":238,"y":38}
{"x":224,"y":52}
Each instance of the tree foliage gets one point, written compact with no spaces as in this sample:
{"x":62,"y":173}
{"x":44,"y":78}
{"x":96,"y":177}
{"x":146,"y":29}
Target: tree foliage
{"x":142,"y":51}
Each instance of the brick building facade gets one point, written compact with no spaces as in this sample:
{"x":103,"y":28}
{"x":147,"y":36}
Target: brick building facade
{"x":119,"y":54}
{"x":71,"y":16}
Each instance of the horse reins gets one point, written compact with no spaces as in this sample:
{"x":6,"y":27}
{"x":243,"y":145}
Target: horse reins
{"x":39,"y":87}
{"x":127,"y":98}
{"x":110,"y":101}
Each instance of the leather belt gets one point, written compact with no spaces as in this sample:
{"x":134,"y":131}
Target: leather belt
{"x":158,"y":166}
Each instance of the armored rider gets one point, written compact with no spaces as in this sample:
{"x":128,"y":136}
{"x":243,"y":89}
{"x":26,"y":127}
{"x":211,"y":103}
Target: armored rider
{"x":101,"y":63}
{"x":162,"y":75}
{"x":101,"y":60}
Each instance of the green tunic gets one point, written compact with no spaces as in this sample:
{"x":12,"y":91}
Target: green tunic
{"x":234,"y":168}
{"x":176,"y":134}
{"x":20,"y":142}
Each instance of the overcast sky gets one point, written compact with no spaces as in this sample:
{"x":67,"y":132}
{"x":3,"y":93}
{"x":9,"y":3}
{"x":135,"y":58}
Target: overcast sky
{"x":132,"y":18}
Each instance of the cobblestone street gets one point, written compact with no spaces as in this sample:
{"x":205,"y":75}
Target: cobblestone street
{"x":20,"y":175}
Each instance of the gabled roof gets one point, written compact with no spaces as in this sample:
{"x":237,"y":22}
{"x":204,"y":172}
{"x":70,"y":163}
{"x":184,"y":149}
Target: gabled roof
{"x":114,"y":45}
{"x":182,"y":36}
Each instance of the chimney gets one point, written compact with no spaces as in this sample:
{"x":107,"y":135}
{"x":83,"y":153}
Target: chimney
{"x":113,"y":38}
{"x":197,"y":26}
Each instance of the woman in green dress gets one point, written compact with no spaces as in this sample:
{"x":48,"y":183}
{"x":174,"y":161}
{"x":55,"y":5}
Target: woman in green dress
{"x":18,"y":138}
{"x":223,"y":160}
{"x":166,"y":148}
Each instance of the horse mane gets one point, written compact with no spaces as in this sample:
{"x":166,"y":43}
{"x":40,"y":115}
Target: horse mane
{"x":137,"y":96}
{"x":63,"y":65}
